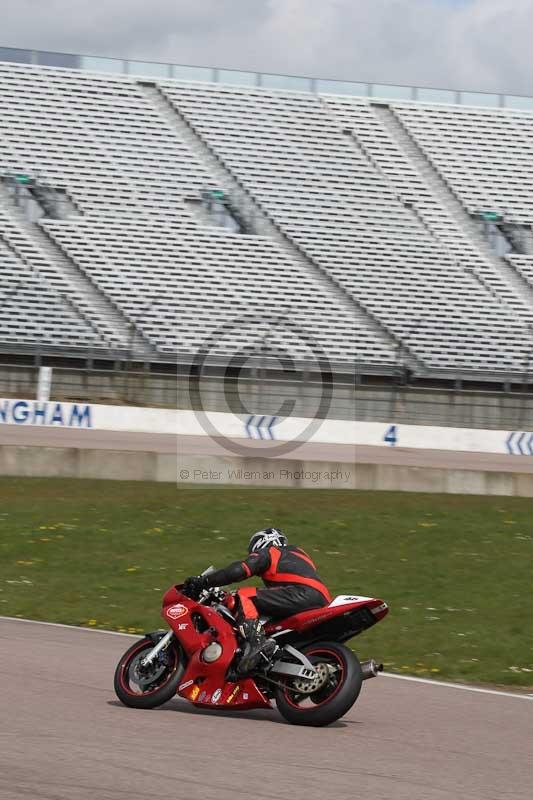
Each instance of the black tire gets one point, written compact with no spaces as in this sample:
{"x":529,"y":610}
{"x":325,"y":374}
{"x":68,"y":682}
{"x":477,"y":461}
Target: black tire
{"x":166,"y":680}
{"x":329,"y":707}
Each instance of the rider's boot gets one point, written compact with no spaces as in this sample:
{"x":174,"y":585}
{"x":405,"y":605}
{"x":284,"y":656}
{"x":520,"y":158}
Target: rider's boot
{"x":256,"y":645}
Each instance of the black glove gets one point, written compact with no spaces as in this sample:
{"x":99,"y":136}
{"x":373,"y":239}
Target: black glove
{"x":194,"y":586}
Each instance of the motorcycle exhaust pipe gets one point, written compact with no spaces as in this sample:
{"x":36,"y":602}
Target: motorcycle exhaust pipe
{"x":371,"y":669}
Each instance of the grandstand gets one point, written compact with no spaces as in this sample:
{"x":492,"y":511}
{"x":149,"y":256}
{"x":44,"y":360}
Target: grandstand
{"x":144,"y":218}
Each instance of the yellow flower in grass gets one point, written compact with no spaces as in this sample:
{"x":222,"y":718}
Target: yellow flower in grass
{"x":92,"y":622}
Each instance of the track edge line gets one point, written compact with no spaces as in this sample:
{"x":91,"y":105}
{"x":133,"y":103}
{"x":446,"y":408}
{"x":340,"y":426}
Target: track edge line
{"x":461,"y":686}
{"x":71,"y":627}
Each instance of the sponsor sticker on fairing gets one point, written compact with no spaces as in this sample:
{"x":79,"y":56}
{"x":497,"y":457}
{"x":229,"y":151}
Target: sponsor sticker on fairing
{"x":234,"y":694}
{"x":183,"y":686}
{"x":217,"y":694}
{"x":195,"y":691}
{"x":177,"y":611}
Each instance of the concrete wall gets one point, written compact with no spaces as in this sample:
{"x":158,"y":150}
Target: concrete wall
{"x":145,"y":466}
{"x":387,"y":477}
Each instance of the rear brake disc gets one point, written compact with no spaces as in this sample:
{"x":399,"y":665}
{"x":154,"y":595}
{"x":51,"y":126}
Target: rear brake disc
{"x":311,"y":685}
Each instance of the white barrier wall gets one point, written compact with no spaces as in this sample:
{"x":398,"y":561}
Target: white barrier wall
{"x":435,"y":438}
{"x":168,"y":421}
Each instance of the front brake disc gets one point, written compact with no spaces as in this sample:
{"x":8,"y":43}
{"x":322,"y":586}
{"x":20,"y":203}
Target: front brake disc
{"x":145,"y":678}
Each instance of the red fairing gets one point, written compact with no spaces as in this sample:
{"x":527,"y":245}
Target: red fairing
{"x":172,"y":595}
{"x":205,"y":683}
{"x":216,"y":694}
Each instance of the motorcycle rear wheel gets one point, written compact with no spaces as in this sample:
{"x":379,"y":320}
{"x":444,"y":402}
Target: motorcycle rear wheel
{"x":332,"y":700}
{"x":156,"y":686}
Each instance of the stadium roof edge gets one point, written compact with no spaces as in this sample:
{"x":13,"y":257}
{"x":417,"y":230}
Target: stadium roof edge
{"x":298,"y":83}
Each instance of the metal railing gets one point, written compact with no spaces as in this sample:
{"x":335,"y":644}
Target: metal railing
{"x":246,"y":395}
{"x":295,"y":83}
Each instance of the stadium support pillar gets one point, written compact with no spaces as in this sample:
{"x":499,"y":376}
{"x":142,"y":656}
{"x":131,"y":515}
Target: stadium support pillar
{"x":44,"y":384}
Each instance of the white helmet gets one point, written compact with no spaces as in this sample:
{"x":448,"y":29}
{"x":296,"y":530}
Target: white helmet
{"x":270,"y":537}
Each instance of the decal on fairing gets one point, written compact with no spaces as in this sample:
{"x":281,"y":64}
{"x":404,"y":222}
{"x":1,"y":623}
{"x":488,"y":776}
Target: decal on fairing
{"x":177,"y":611}
{"x":195,"y":691}
{"x":345,"y":599}
{"x":234,"y":694}
{"x":183,"y":686}
{"x":217,"y":694}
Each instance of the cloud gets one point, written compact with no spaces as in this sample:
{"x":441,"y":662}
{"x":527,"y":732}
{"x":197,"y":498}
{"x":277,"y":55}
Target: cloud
{"x":477,"y":44}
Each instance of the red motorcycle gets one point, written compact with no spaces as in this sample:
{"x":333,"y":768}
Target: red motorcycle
{"x":312,"y":676}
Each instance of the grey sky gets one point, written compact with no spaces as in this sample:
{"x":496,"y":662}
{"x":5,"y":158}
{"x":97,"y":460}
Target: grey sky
{"x":477,"y":44}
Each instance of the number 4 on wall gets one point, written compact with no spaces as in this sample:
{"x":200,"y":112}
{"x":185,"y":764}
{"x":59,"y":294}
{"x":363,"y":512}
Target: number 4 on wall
{"x":391,"y":435}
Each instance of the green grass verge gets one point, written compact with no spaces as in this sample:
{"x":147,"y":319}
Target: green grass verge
{"x":455,"y":570}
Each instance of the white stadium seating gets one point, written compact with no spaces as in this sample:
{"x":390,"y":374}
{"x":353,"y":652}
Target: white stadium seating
{"x":32,"y":310}
{"x":180,"y":283}
{"x":368,"y":250}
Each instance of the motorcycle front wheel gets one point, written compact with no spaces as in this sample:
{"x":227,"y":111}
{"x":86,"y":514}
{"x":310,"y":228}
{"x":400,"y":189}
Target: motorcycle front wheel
{"x":326,"y":698}
{"x":148,"y":688}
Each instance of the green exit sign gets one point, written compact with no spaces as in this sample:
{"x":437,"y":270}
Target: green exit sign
{"x":22,"y":178}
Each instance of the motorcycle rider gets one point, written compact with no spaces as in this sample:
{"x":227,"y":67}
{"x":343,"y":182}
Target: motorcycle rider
{"x":291,"y":585}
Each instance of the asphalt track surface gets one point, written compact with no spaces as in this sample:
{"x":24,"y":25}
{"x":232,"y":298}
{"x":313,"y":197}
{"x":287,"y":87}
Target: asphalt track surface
{"x":164,"y":443}
{"x":64,"y":736}
{"x":308,"y":451}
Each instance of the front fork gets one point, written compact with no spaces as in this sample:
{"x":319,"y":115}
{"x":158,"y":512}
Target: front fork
{"x":161,"y":645}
